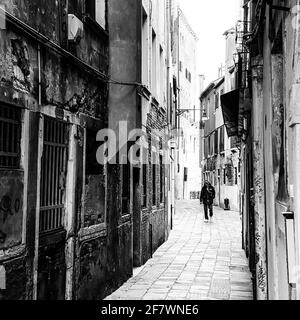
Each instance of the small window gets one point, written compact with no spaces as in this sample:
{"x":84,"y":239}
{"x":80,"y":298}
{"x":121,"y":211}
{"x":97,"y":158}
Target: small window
{"x":10,"y":137}
{"x":185,"y":174}
{"x":217,"y":101}
{"x":96,"y":9}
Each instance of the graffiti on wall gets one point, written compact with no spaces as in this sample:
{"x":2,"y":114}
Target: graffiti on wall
{"x":261,"y":277}
{"x":11,"y":194}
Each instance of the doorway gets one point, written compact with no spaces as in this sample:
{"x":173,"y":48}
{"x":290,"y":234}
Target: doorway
{"x":52,"y":234}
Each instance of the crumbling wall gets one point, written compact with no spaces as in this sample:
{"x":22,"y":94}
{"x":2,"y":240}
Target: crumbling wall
{"x":154,"y":220}
{"x":11,"y":208}
{"x":64,"y":86}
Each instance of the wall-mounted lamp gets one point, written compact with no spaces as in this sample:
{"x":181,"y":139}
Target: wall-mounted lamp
{"x":290,"y":246}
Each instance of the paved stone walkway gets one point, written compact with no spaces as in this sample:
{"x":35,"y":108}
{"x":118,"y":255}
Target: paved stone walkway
{"x":199,"y":261}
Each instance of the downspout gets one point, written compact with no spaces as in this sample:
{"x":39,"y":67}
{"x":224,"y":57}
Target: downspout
{"x":40,"y":77}
{"x":178,"y":96}
{"x":39,"y":158}
{"x":294,"y":152}
{"x":169,"y":200}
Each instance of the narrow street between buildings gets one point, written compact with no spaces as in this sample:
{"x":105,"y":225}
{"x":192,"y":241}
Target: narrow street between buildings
{"x":199,"y":261}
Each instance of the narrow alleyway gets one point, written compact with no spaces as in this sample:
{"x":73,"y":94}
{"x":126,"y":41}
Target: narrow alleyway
{"x":199,"y":261}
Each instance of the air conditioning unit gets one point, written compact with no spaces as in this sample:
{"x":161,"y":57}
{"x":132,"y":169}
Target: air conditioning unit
{"x":75,"y":28}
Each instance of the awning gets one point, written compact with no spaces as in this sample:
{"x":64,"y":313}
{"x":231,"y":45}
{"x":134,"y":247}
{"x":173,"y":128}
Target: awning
{"x":230,"y":107}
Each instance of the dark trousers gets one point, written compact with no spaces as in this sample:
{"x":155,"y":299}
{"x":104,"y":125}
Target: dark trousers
{"x":210,"y":208}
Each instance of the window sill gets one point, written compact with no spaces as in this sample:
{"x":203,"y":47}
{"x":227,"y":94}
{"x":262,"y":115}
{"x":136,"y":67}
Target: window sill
{"x":12,"y":253}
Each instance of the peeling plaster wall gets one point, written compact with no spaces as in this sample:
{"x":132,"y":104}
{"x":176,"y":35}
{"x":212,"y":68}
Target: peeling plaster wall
{"x":11,"y":207}
{"x":274,"y":148}
{"x":64,"y":86}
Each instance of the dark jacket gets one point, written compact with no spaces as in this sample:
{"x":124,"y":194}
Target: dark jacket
{"x":208,"y":195}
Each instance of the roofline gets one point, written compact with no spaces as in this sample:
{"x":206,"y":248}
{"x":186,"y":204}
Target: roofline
{"x":213,"y":85}
{"x":182,"y":15}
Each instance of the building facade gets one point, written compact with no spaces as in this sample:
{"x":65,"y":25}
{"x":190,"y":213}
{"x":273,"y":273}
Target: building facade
{"x":220,"y":153}
{"x":186,"y":89}
{"x":71,"y":227}
{"x":268,"y":126}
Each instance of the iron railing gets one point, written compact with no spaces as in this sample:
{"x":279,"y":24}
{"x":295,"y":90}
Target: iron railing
{"x":53,"y":175}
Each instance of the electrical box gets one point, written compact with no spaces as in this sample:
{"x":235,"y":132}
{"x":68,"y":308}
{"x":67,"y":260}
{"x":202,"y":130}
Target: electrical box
{"x":75,"y":28}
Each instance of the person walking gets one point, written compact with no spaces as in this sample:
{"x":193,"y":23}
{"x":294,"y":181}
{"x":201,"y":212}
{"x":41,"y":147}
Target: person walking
{"x":207,"y":197}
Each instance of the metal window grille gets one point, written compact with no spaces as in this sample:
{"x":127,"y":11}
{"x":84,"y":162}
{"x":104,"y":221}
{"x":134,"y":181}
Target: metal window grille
{"x":53,"y":175}
{"x":10,"y":137}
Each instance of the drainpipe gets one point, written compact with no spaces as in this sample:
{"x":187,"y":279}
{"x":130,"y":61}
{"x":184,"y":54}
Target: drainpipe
{"x":39,"y":158}
{"x":169,"y":120}
{"x":294,"y":150}
{"x":296,"y":147}
{"x":40,"y":78}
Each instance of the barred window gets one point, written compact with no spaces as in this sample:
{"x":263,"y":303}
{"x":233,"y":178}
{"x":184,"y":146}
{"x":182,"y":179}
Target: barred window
{"x":10,"y":137}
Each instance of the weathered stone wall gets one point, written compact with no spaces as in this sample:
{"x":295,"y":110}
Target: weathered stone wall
{"x":101,"y":233}
{"x":11,"y":208}
{"x":91,"y":268}
{"x":66,"y":86}
{"x":155,"y":219}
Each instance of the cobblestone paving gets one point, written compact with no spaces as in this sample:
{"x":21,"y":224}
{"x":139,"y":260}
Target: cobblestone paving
{"x":199,"y":261}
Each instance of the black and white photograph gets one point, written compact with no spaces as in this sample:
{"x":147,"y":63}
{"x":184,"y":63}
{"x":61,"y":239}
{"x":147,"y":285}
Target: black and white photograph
{"x":149,"y":151}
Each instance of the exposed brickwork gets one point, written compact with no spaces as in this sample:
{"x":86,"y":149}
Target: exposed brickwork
{"x":102,"y":259}
{"x":154,"y":221}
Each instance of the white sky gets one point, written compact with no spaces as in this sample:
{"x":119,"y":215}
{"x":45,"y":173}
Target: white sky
{"x":210,"y":19}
